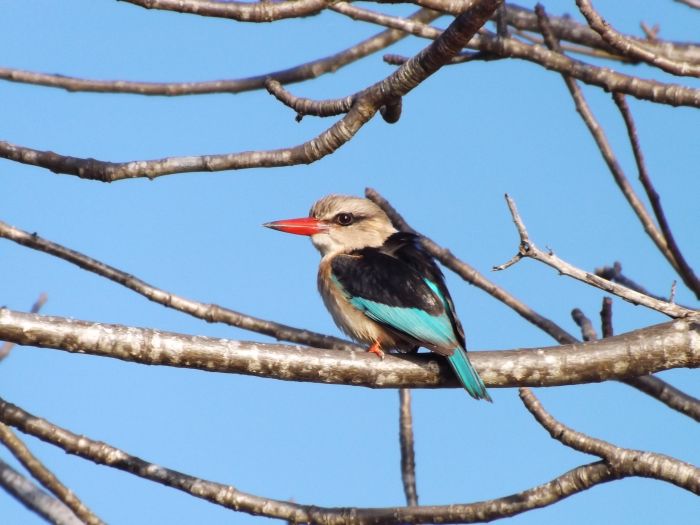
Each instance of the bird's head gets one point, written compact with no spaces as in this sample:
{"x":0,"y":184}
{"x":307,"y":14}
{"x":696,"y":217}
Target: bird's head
{"x":339,"y":223}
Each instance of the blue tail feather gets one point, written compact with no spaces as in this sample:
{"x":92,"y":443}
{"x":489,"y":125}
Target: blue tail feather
{"x":467,"y":375}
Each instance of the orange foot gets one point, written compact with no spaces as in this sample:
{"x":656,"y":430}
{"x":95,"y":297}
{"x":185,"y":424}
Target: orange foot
{"x":376,"y":349}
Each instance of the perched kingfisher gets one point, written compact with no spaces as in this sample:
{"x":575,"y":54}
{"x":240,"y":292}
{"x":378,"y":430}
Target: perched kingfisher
{"x":380,"y":286}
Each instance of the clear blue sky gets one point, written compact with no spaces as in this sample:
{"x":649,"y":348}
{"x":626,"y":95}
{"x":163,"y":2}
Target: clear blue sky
{"x":467,"y":136}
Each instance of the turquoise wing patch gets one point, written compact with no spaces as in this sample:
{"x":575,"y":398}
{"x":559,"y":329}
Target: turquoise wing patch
{"x":420,"y":325}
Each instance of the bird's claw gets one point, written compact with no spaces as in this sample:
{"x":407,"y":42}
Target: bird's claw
{"x":376,"y":350}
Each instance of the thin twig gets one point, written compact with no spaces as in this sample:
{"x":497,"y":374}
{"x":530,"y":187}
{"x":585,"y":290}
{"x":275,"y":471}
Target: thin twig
{"x":529,"y":249}
{"x":44,"y":476}
{"x":408,"y":457}
{"x":584,"y":323}
{"x":606,"y":324}
{"x":676,"y":259}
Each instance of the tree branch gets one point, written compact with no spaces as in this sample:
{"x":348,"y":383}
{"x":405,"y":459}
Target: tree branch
{"x":307,"y":71}
{"x":367,"y":103}
{"x":672,"y":252}
{"x":572,"y":482}
{"x":241,"y":11}
{"x":622,"y":461}
{"x":6,"y":347}
{"x":530,"y":249}
{"x":46,"y":477}
{"x":35,"y":499}
{"x":408,"y":456}
{"x":629,"y":48}
{"x":660,"y":347}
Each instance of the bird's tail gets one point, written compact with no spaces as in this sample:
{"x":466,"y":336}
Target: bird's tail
{"x":467,"y":375}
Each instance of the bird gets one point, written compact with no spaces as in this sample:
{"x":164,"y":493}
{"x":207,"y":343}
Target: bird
{"x":380,"y":285}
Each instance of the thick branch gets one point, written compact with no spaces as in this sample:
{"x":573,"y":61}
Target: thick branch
{"x":661,"y":347}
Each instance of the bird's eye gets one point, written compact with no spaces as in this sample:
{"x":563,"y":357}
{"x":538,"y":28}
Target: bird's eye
{"x":344,"y":219}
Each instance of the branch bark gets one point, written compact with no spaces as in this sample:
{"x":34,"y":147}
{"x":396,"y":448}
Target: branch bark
{"x":669,"y":345}
{"x":35,"y":499}
{"x":572,"y":482}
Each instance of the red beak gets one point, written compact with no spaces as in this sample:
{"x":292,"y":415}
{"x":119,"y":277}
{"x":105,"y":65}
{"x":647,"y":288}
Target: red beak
{"x":302,"y":226}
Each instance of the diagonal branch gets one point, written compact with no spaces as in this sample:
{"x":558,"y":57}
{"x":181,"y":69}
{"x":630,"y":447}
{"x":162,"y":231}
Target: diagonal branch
{"x":606,"y":150}
{"x":621,"y":461}
{"x":629,"y":48}
{"x":569,"y":483}
{"x":673,"y":251}
{"x":660,"y":347}
{"x":46,"y":477}
{"x":35,"y":499}
{"x":529,"y":249}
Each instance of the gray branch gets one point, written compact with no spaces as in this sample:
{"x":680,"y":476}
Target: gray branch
{"x":661,"y":347}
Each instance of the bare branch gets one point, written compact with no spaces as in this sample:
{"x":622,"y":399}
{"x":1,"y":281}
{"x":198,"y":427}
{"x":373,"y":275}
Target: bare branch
{"x":367,"y":103}
{"x":307,"y":71}
{"x":305,"y":106}
{"x":241,"y":11}
{"x":210,"y":313}
{"x":606,"y":324}
{"x":408,"y":456}
{"x":566,"y":28}
{"x":604,"y":146}
{"x":658,"y":92}
{"x":587,"y":330}
{"x":621,"y":460}
{"x":35,"y":499}
{"x":45,"y":476}
{"x":629,"y":47}
{"x":529,"y":249}
{"x":673,"y":252}
{"x":660,"y":347}
{"x":569,"y":483}
{"x":6,"y":347}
